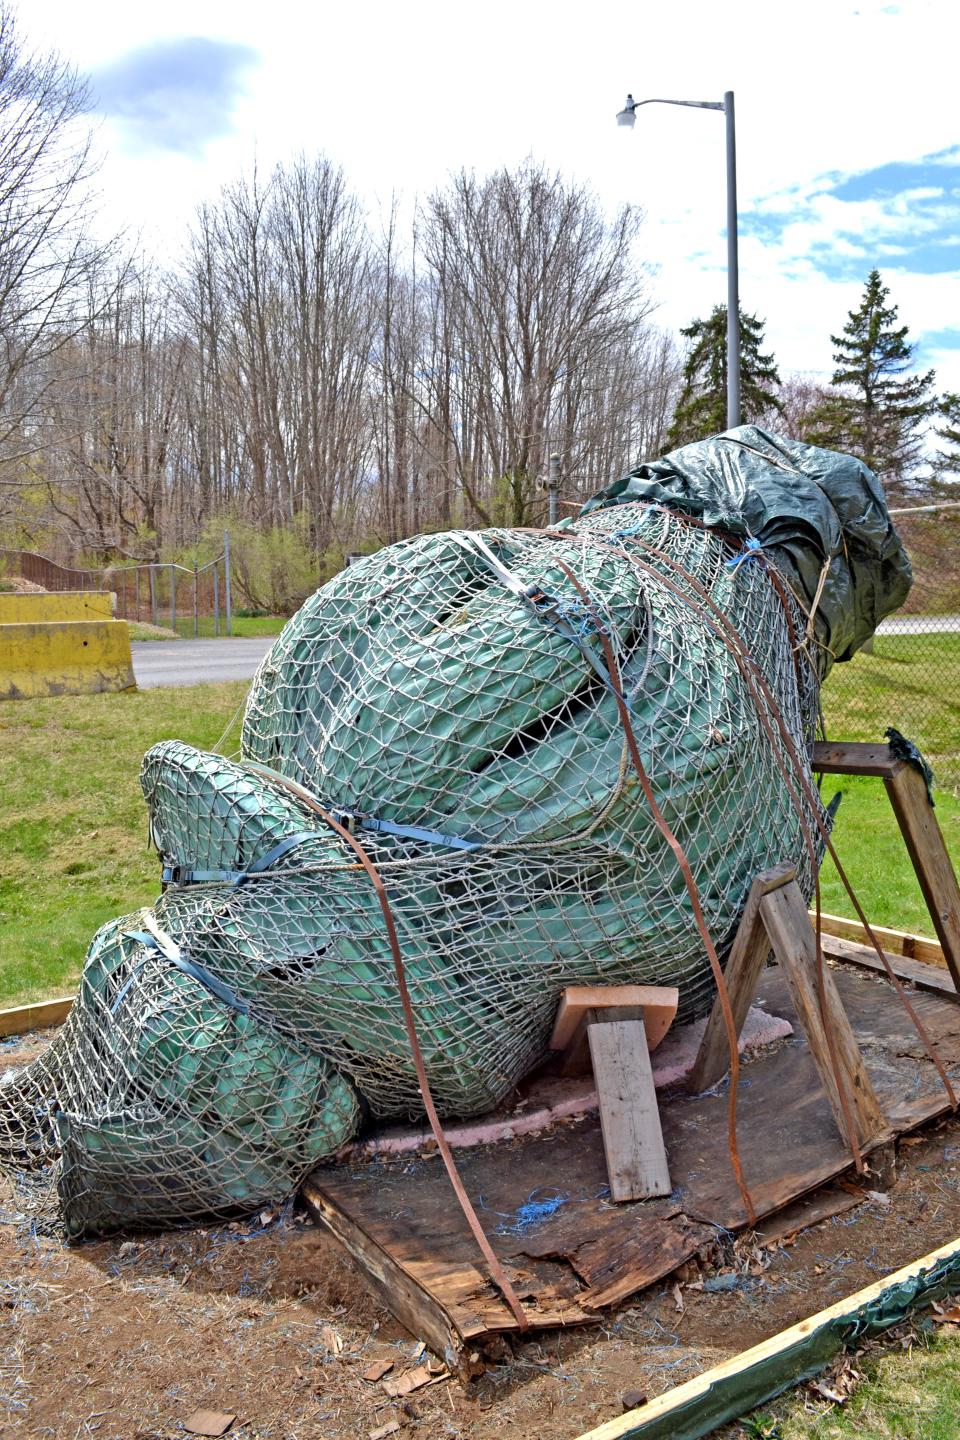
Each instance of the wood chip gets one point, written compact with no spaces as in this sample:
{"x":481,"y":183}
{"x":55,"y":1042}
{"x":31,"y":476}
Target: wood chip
{"x":385,"y":1430}
{"x":408,"y":1382}
{"x":208,"y":1422}
{"x":632,"y":1399}
{"x":378,"y":1369}
{"x":332,"y":1340}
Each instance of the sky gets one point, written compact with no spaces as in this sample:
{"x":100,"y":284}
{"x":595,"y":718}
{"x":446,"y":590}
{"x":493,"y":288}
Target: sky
{"x":848,"y":130}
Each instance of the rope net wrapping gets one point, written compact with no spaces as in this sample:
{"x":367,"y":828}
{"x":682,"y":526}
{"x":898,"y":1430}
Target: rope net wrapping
{"x":450,"y":703}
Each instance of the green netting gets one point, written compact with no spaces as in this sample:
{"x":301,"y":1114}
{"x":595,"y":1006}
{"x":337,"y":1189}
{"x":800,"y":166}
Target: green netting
{"x":451,"y":702}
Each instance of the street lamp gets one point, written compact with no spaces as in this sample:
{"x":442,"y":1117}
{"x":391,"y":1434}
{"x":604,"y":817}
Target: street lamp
{"x":627,"y":116}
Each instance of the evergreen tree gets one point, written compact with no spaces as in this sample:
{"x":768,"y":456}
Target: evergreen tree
{"x":947,"y":459}
{"x":878,"y":410}
{"x":702,"y":406}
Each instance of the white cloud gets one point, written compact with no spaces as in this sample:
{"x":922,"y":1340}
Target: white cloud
{"x":402,"y":94}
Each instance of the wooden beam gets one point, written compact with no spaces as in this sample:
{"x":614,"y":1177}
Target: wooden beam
{"x":22,"y":1018}
{"x":785,"y":916}
{"x":849,"y":757}
{"x":751,"y":946}
{"x":629,"y":1117}
{"x":893,"y":942}
{"x":414,"y":1306}
{"x":928,"y":854}
{"x":935,"y":978}
{"x":729,"y":1390}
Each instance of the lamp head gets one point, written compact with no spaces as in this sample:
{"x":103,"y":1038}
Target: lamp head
{"x":627,"y":116}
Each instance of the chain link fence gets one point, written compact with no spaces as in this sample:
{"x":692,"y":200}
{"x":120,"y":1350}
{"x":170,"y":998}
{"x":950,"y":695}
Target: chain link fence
{"x":909,"y":676}
{"x":192,"y":601}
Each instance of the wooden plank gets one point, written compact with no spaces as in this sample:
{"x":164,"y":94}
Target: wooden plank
{"x":925,"y":977}
{"x":751,"y":946}
{"x":410,"y":1302}
{"x":576,"y":1057}
{"x":894,"y":942}
{"x":785,"y":916}
{"x":33,"y":1017}
{"x":822,"y":1205}
{"x":659,"y":1007}
{"x":931,"y":861}
{"x":854,"y":758}
{"x":629,"y":1117}
{"x":700,"y":1405}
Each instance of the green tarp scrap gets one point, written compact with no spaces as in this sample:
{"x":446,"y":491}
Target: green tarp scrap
{"x":454,"y":702}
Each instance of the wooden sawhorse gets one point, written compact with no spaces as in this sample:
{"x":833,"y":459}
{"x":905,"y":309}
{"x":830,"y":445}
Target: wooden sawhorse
{"x":776,"y":919}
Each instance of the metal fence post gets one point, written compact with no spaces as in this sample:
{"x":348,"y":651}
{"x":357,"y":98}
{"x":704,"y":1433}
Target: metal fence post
{"x":173,"y":597}
{"x":553,"y":489}
{"x":153,"y":597}
{"x":226,"y":580}
{"x":196,"y":603}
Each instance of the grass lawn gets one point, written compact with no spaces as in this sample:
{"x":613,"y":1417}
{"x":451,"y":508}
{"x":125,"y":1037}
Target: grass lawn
{"x":73,"y":850}
{"x":906,"y":1395}
{"x":871,"y":851}
{"x":242,"y":625}
{"x":911,"y":682}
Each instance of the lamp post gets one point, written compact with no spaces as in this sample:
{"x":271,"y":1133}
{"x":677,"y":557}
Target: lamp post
{"x":627,"y":116}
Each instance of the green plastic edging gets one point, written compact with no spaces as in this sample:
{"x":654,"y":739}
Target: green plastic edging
{"x":729,"y":1390}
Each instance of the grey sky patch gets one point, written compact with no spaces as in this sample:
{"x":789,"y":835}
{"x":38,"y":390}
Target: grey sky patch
{"x":174,"y":94}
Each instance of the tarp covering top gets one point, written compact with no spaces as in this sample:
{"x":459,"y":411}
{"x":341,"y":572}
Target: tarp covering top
{"x":812,"y":510}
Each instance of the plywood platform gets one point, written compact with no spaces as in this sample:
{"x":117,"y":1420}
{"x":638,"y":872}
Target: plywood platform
{"x":398,"y":1218}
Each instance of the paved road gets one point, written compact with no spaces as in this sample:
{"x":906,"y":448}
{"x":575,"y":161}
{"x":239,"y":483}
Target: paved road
{"x":920,"y":625}
{"x":196,"y":662}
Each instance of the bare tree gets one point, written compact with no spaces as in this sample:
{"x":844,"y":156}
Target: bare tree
{"x":800,"y":399}
{"x":537,"y":295}
{"x":47,"y":254}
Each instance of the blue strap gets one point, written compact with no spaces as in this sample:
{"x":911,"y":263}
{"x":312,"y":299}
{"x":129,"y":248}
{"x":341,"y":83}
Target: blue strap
{"x":750,"y":551}
{"x":184,"y":875}
{"x":416,"y":832}
{"x":189,"y":967}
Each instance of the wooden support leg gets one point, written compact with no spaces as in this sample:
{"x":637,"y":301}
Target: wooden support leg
{"x":928,"y":854}
{"x":785,"y":918}
{"x":751,"y":946}
{"x":629,"y":1118}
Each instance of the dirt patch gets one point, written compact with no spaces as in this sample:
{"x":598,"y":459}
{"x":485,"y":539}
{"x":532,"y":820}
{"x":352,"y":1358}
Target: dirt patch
{"x":20,"y":585}
{"x":125,"y":1339}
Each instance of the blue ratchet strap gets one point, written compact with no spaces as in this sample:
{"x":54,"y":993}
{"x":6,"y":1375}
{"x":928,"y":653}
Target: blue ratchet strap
{"x":185,"y":875}
{"x":188,"y":967}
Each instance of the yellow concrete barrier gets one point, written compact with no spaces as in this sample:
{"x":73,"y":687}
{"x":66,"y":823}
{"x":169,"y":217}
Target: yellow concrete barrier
{"x":68,"y":657}
{"x":40,"y":609}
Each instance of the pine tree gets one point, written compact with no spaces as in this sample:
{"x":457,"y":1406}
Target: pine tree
{"x":947,"y":460}
{"x":879,"y":409}
{"x":702,"y":406}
